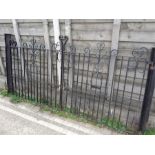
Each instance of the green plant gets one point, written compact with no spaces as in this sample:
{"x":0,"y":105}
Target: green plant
{"x":113,"y":123}
{"x":3,"y":92}
{"x":150,"y":131}
{"x":15,"y":99}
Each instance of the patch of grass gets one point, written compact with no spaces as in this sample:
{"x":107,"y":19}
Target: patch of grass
{"x":66,"y":112}
{"x":113,"y":123}
{"x":3,"y":92}
{"x":150,"y":131}
{"x":13,"y":97}
{"x":16,"y":99}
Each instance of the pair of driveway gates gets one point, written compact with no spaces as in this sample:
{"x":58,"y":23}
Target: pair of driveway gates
{"x":76,"y":80}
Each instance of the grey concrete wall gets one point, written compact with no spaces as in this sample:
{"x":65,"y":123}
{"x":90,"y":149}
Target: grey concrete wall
{"x":86,"y":32}
{"x":133,"y":33}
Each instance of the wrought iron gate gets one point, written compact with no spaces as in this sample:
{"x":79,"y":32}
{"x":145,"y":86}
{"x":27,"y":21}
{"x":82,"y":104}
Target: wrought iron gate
{"x":78,"y":81}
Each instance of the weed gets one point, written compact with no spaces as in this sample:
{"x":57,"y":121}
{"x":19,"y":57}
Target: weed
{"x":113,"y":123}
{"x":3,"y":92}
{"x":150,"y":131}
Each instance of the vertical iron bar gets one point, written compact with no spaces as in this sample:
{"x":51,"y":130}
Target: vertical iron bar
{"x":73,"y":62}
{"x":111,"y":93}
{"x":63,"y":41}
{"x":68,"y":54}
{"x":37,"y":81}
{"x":123,"y":91}
{"x":77,"y":79}
{"x":31,"y":79}
{"x":12,"y":70}
{"x":9,"y":63}
{"x":62,"y":78}
{"x":44,"y":101}
{"x":133,"y":83}
{"x":120,"y":72}
{"x":56,"y":86}
{"x":52,"y":75}
{"x":15,"y":85}
{"x":34,"y":81}
{"x":18,"y":72}
{"x":95,"y":95}
{"x":149,"y":90}
{"x":62,"y":74}
{"x":86,"y":84}
{"x":40,"y":75}
{"x":28,"y":71}
{"x":23,"y":49}
{"x":142,"y":80}
{"x":81,"y":83}
{"x":105,"y":95}
{"x":140,"y":105}
{"x":99,"y":98}
{"x":91,"y":80}
{"x":21,"y":73}
{"x":47,"y":74}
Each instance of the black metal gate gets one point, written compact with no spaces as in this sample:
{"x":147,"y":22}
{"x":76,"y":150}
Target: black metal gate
{"x":77,"y":80}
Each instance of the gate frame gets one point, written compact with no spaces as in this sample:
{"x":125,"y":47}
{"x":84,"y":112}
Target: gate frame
{"x":9,"y":63}
{"x":149,"y":87}
{"x":63,"y":41}
{"x":149,"y":90}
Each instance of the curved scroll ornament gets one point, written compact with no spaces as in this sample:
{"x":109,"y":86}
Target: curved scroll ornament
{"x":35,"y":49}
{"x":55,"y":47}
{"x":87,"y":50}
{"x":70,"y":49}
{"x":113,"y":52}
{"x":101,"y":59}
{"x":140,"y":56}
{"x":63,"y":41}
{"x":13,"y":43}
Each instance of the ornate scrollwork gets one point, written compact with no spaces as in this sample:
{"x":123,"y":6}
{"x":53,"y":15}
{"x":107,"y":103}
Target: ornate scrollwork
{"x":34,"y":45}
{"x":87,"y":50}
{"x":35,"y":49}
{"x":100,"y":49}
{"x":101,"y":59}
{"x":63,"y":41}
{"x":13,"y":43}
{"x":113,"y":52}
{"x":100,"y":46}
{"x":55,"y":46}
{"x":72,"y":49}
{"x":140,"y":55}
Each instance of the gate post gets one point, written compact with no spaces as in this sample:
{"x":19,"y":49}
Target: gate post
{"x":150,"y":84}
{"x":63,"y":41}
{"x":9,"y":63}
